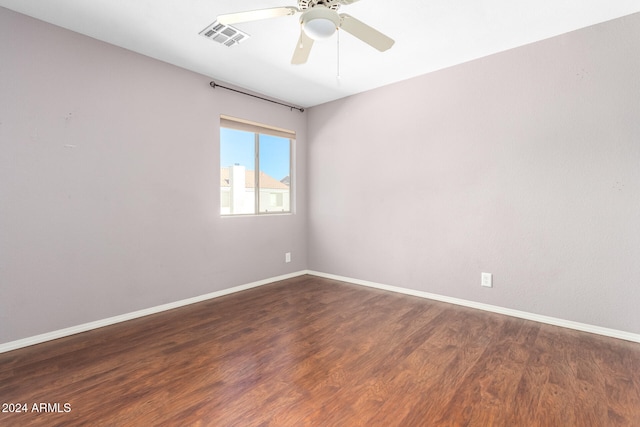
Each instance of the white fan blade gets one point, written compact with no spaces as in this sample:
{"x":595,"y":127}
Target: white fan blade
{"x":347,"y":2}
{"x":303,"y":48}
{"x":256,"y":15}
{"x":367,"y":34}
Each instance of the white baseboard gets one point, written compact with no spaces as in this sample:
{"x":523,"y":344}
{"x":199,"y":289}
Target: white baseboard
{"x":613,"y":333}
{"x":37,"y":339}
{"x":25,"y":342}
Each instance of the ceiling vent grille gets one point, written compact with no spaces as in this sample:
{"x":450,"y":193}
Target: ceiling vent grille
{"x":224,"y":34}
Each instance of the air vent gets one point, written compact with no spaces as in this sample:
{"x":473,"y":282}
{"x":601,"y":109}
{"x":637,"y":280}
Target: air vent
{"x":224,"y":34}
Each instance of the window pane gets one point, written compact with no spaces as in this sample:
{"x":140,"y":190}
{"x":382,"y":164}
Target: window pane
{"x":237,"y":166}
{"x":275,"y":174}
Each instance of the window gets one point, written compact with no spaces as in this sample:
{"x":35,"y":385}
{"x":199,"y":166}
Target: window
{"x":247,"y":147}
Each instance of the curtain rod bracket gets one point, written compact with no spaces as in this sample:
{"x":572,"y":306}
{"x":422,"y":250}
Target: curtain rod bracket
{"x":291,"y":107}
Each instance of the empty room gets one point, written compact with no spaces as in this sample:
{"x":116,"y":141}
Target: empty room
{"x":319,"y":213}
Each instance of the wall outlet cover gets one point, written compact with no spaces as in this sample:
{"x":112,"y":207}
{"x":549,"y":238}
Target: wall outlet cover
{"x":486,"y":280}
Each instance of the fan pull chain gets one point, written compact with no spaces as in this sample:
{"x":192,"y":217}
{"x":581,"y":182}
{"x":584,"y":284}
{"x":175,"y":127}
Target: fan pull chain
{"x":338,"y":56}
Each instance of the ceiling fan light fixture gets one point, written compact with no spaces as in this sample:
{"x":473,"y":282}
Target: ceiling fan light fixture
{"x":320,"y":23}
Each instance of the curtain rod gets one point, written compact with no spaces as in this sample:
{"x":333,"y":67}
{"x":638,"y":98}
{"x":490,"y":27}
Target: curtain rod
{"x":215,"y":85}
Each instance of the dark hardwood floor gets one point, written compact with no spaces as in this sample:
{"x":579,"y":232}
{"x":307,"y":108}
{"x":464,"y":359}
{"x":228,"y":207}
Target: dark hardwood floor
{"x":315,"y":352}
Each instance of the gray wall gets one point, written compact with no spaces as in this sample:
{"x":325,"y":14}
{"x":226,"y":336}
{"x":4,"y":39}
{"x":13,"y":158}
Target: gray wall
{"x":109,"y":184}
{"x":525,"y":164}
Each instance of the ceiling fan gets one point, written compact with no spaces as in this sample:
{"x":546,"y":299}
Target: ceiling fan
{"x":319,"y":20}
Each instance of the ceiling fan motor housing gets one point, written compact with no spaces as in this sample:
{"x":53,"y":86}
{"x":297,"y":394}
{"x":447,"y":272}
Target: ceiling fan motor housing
{"x":310,"y":4}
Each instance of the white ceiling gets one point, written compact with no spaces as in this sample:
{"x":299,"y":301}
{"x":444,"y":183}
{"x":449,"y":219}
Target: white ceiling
{"x":429,"y":35}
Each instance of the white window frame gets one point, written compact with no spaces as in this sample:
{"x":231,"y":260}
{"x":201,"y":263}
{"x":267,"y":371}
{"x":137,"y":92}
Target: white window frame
{"x":258,"y":129}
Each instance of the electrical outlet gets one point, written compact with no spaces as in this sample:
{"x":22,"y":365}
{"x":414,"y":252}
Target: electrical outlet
{"x":287,"y":257}
{"x":487,"y":280}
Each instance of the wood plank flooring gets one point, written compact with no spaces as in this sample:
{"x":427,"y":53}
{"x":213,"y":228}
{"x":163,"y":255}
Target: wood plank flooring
{"x":315,"y":352}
